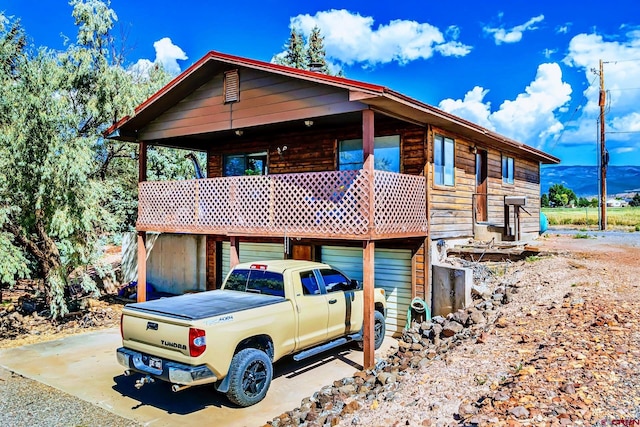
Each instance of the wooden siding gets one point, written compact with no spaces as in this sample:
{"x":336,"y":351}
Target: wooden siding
{"x":526,"y":183}
{"x":264,"y":99}
{"x":451,"y":208}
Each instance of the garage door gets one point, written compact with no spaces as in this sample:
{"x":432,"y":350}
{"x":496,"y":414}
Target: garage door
{"x":392,"y":272}
{"x":250,"y":252}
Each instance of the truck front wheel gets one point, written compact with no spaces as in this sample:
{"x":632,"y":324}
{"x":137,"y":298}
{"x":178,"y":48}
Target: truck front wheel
{"x":250,"y":376}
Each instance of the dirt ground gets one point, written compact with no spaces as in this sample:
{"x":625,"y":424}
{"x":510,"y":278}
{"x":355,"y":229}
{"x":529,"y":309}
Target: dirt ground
{"x":564,"y":351}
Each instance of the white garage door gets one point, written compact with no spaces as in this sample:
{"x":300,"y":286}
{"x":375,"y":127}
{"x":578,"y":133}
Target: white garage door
{"x":250,"y":252}
{"x":392,"y":272}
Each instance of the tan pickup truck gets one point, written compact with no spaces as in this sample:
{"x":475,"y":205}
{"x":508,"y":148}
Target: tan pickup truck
{"x":231,"y":337}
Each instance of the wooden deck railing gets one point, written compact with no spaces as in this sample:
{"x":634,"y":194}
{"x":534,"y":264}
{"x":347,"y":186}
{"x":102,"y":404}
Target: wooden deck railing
{"x":321,"y":204}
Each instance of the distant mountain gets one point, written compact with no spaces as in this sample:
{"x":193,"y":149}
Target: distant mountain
{"x":583,"y":180}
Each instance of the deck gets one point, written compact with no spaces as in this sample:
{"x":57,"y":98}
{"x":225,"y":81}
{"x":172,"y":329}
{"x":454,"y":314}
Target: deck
{"x":331,"y":205}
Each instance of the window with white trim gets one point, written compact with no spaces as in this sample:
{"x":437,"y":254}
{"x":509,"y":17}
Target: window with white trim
{"x":443,"y":160}
{"x":507,"y":170}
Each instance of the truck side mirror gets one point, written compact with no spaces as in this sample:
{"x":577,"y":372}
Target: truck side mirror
{"x":355,"y":284}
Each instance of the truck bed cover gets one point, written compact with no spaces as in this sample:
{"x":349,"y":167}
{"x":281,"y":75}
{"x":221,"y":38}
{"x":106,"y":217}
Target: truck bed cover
{"x":205,"y":304}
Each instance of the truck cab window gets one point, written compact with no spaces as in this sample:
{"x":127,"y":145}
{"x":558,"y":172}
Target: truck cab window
{"x":256,"y":281}
{"x":334,"y":281}
{"x":309,"y":283}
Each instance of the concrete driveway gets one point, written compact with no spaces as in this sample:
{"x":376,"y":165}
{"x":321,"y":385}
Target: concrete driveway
{"x":85,"y":366}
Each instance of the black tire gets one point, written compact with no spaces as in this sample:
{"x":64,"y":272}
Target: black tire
{"x":379,"y":330}
{"x":250,"y":376}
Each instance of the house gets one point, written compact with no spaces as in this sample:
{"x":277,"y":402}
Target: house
{"x":308,"y":166}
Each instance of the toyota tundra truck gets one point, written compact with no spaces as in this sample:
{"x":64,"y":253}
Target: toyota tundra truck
{"x":231,"y":337}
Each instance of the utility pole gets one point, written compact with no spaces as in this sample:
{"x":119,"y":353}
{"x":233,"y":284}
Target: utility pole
{"x":604,"y":156}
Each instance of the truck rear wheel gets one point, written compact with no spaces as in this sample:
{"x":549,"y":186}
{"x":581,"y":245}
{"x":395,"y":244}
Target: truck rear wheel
{"x":250,"y":376}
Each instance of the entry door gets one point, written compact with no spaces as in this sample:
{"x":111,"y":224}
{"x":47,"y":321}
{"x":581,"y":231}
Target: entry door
{"x":481,"y":187}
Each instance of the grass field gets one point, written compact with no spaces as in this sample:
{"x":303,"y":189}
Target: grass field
{"x":623,"y":217}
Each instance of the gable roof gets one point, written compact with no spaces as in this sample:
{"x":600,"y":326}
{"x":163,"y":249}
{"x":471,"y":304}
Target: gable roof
{"x":380,"y":98}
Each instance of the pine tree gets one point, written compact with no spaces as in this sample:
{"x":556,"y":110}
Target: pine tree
{"x":316,"y":54}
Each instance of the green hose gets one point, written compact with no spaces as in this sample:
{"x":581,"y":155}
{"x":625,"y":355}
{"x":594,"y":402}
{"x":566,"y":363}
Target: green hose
{"x":419,"y":306}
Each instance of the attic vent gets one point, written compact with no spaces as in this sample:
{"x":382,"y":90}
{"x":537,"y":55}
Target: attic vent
{"x":231,"y":86}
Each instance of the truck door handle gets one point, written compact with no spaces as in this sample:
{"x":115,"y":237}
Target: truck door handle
{"x":333,"y":301}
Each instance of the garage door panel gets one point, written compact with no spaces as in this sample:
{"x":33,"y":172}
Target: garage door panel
{"x":392,"y":272}
{"x":250,"y":252}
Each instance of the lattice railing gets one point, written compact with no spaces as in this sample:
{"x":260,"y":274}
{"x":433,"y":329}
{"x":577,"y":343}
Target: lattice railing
{"x":400,"y":204}
{"x":320,"y":204}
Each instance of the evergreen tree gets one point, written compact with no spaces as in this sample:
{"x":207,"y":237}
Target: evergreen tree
{"x":316,"y":53}
{"x":295,"y":53}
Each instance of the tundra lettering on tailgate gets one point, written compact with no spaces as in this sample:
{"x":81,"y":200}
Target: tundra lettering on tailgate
{"x":173,"y":344}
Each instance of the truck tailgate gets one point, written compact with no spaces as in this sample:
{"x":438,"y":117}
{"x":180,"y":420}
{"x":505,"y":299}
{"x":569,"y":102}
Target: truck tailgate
{"x":154,"y":334}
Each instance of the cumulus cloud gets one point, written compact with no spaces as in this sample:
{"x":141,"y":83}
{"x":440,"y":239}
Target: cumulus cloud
{"x":351,"y":38}
{"x":529,"y":118}
{"x":514,"y":34}
{"x":167,"y":54}
{"x":621,"y":56}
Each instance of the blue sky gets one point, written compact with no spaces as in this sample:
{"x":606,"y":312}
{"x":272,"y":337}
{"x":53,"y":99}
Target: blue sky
{"x":521,"y":68}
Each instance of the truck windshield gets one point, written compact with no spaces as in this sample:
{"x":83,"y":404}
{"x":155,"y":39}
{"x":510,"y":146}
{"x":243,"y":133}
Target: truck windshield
{"x":256,"y":281}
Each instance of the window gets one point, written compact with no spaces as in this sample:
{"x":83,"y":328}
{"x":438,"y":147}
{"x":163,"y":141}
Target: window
{"x":335,"y":281}
{"x":386,"y":152}
{"x":309,"y":283}
{"x":507,"y":170}
{"x":256,"y":281}
{"x":443,"y":160}
{"x":245,"y":164}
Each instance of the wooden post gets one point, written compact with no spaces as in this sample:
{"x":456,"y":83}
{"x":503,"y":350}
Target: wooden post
{"x":368,"y":252}
{"x":142,"y":235}
{"x":142,"y":266}
{"x":234,"y":258}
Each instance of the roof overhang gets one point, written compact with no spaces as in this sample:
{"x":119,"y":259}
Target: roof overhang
{"x":379,"y":98}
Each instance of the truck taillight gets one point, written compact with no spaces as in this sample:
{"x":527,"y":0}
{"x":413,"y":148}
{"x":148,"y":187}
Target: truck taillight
{"x":197,"y":342}
{"x":121,"y":320}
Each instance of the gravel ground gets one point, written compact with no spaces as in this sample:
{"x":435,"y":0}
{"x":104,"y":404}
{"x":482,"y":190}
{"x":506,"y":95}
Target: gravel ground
{"x":24,"y":402}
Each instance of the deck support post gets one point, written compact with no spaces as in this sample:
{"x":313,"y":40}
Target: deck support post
{"x":234,"y":257}
{"x":368,"y":248}
{"x":142,"y":267}
{"x":142,"y":235}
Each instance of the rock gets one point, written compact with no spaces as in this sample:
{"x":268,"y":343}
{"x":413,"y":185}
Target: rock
{"x":460,"y":316}
{"x":466,"y":410}
{"x":451,"y":328}
{"x":501,"y":396}
{"x":568,"y":388}
{"x":438,"y":319}
{"x":481,"y":291}
{"x":501,"y":323}
{"x":475,"y":317}
{"x":519,"y":412}
{"x":386,"y":378}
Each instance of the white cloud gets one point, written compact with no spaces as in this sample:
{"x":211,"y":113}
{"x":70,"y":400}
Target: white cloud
{"x":351,"y":38}
{"x":621,"y":56}
{"x":167,"y":54}
{"x":548,"y":53}
{"x":472,"y":107}
{"x":513,"y":35}
{"x":563,"y":29}
{"x":529,"y":118}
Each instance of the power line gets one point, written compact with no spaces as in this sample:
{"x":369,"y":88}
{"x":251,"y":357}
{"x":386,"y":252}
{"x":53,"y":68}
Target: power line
{"x":630,"y":131}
